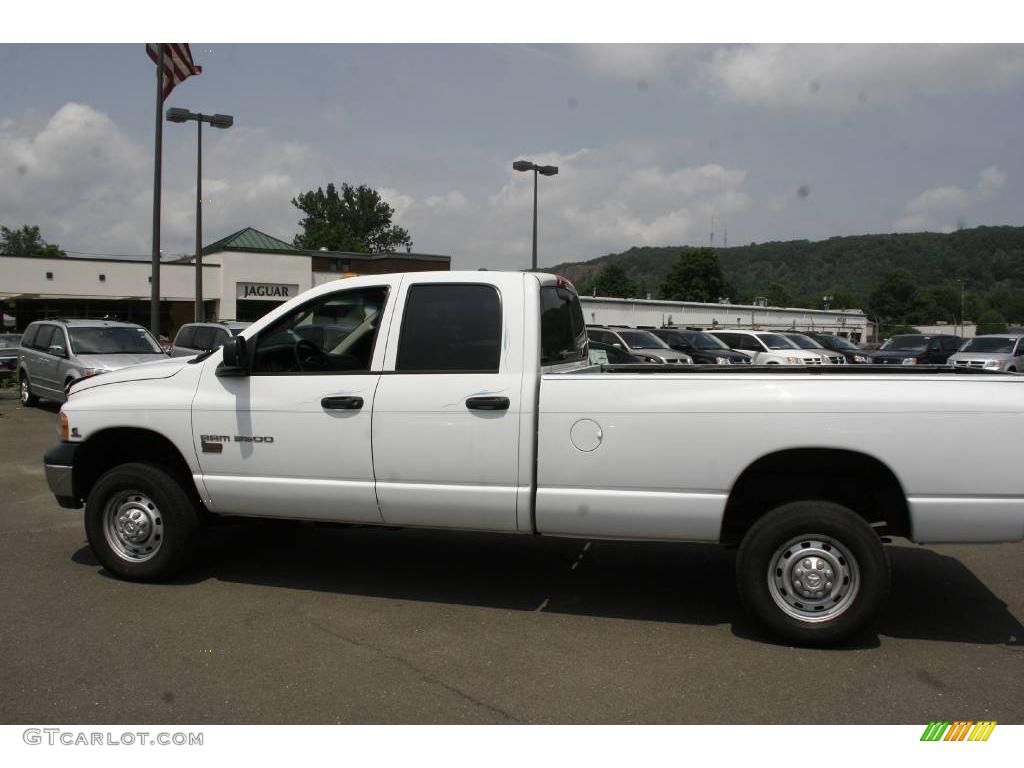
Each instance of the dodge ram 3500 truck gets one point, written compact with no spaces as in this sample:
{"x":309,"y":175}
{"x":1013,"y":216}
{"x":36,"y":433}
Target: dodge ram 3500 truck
{"x":465,"y":400}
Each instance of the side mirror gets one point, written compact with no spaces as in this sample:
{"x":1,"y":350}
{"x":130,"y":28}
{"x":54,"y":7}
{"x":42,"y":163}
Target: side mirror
{"x":236,"y":359}
{"x":57,"y":349}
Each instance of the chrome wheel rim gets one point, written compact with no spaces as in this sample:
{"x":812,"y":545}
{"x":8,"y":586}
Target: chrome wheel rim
{"x":133,"y":526}
{"x":25,"y":393}
{"x":813,"y":578}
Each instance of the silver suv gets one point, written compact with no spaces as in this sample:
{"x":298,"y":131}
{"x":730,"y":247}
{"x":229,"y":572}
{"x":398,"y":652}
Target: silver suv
{"x":196,"y":338}
{"x":55,"y":353}
{"x":994,"y":352}
{"x":643,"y":344}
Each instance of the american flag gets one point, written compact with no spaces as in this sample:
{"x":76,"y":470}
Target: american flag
{"x":178,"y":63}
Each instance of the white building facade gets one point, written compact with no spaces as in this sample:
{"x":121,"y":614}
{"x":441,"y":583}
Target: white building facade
{"x":848,"y":323}
{"x":245,"y":275}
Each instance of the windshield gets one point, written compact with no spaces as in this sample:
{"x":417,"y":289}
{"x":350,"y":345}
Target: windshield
{"x":838,"y":342}
{"x":8,"y":341}
{"x":775,"y":341}
{"x":804,"y":342}
{"x":642,"y":340}
{"x":113,"y":341}
{"x":706,"y":341}
{"x":911,"y":343}
{"x":983,"y":344}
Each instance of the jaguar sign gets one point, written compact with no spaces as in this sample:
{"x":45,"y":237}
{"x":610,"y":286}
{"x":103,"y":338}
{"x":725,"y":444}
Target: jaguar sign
{"x":263,"y":291}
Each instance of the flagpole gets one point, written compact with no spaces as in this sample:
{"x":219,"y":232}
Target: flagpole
{"x":154,"y":302}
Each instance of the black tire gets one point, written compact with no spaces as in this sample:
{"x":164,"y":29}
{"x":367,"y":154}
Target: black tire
{"x":169,"y":522}
{"x":839,"y":545}
{"x":28,"y":400}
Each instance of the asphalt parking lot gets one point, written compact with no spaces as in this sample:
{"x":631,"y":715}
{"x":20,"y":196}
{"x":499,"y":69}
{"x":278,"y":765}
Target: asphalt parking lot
{"x":299,"y":623}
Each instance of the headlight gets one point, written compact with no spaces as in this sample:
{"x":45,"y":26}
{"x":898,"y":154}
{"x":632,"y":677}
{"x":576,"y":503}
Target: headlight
{"x":794,"y":361}
{"x":94,"y":371}
{"x":997,"y":364}
{"x":861,"y":359}
{"x":722,"y":361}
{"x":910,"y":361}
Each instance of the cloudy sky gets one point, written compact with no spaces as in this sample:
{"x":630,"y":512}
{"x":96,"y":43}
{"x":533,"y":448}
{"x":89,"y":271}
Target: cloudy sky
{"x":775,"y":142}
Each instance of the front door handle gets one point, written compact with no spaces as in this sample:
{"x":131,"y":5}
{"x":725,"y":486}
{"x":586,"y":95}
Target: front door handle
{"x":341,"y":403}
{"x":487,"y":403}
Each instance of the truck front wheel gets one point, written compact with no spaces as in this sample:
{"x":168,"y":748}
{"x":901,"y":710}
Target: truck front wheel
{"x":141,"y":522}
{"x":813,"y":572}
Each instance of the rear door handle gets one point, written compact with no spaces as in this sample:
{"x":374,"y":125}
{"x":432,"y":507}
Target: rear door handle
{"x":341,"y":403}
{"x":487,"y":403}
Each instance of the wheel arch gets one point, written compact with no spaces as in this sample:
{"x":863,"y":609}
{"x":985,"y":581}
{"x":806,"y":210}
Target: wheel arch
{"x":854,"y":479}
{"x":113,"y":446}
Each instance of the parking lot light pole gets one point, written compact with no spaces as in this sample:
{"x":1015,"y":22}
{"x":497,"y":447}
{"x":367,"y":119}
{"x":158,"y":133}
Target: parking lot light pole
{"x":543,"y":170}
{"x":177,"y":115}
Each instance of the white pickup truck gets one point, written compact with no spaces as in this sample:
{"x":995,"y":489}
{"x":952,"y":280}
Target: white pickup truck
{"x":464,"y":400}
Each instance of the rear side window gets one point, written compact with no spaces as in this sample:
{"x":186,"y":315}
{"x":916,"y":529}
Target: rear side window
{"x":450,"y":327}
{"x":185,"y":336}
{"x":563,"y":335}
{"x":30,"y":335}
{"x":204,"y":338}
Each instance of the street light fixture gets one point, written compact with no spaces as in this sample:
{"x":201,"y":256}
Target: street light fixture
{"x":543,"y":170}
{"x":178,"y":115}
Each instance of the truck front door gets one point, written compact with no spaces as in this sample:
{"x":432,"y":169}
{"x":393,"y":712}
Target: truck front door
{"x":292,"y":438}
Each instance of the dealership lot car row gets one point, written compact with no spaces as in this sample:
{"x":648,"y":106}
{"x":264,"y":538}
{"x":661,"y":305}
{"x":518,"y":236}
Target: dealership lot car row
{"x":737,"y":346}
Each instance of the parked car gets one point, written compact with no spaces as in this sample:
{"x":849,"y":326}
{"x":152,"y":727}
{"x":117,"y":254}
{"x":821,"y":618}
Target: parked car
{"x":55,"y":353}
{"x":508,"y":428}
{"x":853,"y":354}
{"x":643,"y":344}
{"x":604,"y":354}
{"x":769,"y":348}
{"x":916,"y":349}
{"x":805,"y":342}
{"x":196,"y":338}
{"x":9,"y":343}
{"x":702,"y":347}
{"x":993,"y":352}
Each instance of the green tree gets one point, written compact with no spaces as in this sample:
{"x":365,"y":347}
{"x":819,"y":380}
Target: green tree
{"x":354,"y":219}
{"x":26,"y":241}
{"x":943,"y":301}
{"x":991,"y":322}
{"x":612,"y":281}
{"x":843,"y":300}
{"x":895,"y":298}
{"x":779,"y":295}
{"x":695,"y":276}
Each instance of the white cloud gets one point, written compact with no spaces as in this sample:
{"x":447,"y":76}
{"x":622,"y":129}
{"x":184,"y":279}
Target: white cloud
{"x":600,"y":201}
{"x":823,"y":78}
{"x":945,"y":208}
{"x":89,"y":186}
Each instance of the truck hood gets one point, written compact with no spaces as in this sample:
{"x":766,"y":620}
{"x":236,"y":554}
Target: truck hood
{"x":160,"y":369}
{"x":116,"y":362}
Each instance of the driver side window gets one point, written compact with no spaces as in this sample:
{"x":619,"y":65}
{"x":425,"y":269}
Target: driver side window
{"x":334,"y":333}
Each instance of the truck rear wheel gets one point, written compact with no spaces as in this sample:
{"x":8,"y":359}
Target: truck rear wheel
{"x":141,"y":522}
{"x":813,"y":572}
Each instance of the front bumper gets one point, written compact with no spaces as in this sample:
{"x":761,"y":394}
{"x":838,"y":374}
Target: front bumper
{"x":59,"y":463}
